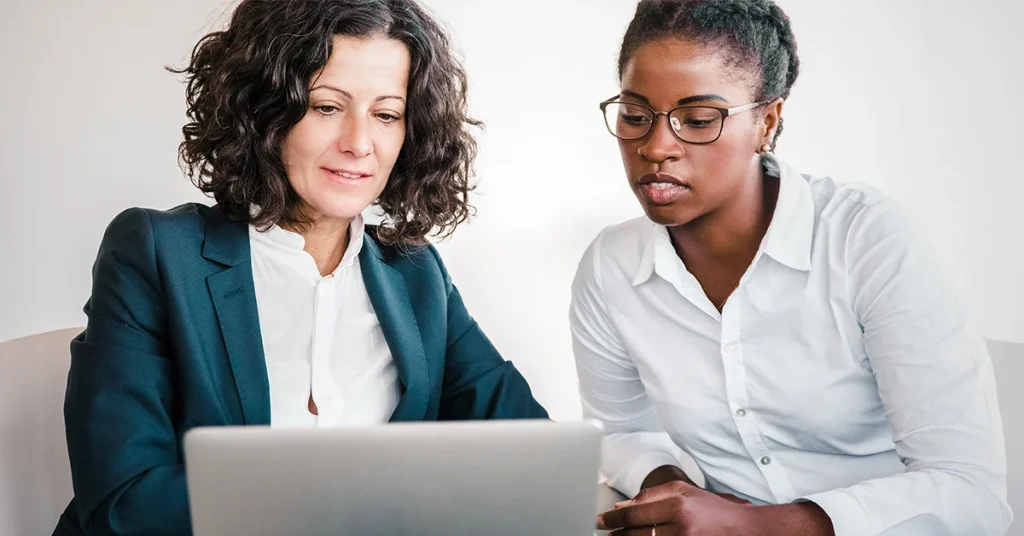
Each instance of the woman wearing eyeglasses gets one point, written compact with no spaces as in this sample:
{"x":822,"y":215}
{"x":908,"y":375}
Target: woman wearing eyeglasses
{"x":792,"y":334}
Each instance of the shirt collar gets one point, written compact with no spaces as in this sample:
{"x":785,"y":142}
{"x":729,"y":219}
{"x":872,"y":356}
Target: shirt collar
{"x":791,"y":232}
{"x":657,"y":240}
{"x":291,"y":243}
{"x":789,"y":236}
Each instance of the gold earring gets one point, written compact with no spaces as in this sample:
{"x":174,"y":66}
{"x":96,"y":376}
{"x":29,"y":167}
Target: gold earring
{"x":765,"y":148}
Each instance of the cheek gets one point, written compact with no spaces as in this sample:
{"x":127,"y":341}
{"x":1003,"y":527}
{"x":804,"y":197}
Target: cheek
{"x":291,"y":157}
{"x":388,"y":145}
{"x":304,"y":145}
{"x":630,"y":159}
{"x":713,"y":158}
{"x":720,"y":165}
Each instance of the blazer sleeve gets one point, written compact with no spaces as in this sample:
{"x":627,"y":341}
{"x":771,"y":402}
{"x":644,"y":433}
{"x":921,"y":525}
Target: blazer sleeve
{"x":126,"y":466}
{"x":478,"y":383}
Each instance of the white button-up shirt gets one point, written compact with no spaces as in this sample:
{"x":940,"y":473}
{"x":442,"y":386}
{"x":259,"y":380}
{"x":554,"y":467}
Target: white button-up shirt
{"x":320,"y":335}
{"x":842,"y":369}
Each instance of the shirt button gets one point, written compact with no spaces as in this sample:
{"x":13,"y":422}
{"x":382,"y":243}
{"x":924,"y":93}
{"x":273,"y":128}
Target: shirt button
{"x":765,"y":460}
{"x":730,"y":348}
{"x":741,"y":413}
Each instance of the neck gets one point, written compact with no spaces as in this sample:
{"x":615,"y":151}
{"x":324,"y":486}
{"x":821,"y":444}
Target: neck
{"x":731,"y":234}
{"x":326,"y":241}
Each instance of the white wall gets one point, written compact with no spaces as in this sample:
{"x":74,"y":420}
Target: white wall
{"x":918,"y":97}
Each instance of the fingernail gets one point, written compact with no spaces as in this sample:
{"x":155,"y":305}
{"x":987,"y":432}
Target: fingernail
{"x":623,"y":503}
{"x":600,"y":523}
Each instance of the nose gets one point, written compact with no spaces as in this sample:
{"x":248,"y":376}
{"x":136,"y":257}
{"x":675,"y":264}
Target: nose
{"x":354,"y":137}
{"x":661,"y":144}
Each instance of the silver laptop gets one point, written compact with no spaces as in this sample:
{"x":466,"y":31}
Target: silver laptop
{"x":466,"y":478}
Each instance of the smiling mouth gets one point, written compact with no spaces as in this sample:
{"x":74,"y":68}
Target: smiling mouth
{"x":347,"y":174}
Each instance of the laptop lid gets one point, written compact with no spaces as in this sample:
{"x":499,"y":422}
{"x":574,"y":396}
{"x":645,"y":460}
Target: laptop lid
{"x":430,"y":478}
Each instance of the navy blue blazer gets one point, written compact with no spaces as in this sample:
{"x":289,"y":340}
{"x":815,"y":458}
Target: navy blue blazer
{"x":173,"y":342}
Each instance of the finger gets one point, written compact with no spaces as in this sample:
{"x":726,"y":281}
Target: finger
{"x":662,"y":530}
{"x":659,"y":493}
{"x":662,"y":512}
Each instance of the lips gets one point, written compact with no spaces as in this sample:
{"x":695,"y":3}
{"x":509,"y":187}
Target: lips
{"x":651,"y":178}
{"x":663,"y":188}
{"x":346,"y":176}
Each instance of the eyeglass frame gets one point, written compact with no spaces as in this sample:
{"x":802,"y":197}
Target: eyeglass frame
{"x":726,"y":112}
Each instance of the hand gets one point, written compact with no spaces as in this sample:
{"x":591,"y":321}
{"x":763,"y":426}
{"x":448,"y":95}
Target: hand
{"x":670,"y":473}
{"x":679,"y":508}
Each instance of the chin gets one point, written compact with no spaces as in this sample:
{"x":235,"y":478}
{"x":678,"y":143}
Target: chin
{"x":344,"y":210}
{"x":669,"y":215}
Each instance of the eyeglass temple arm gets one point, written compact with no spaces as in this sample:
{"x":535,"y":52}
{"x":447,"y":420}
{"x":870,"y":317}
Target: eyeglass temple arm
{"x":610,"y":99}
{"x":743,"y":108}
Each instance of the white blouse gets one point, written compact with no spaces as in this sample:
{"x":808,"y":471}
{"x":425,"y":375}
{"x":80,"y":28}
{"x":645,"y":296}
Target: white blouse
{"x":321,"y":336}
{"x":842,"y":370}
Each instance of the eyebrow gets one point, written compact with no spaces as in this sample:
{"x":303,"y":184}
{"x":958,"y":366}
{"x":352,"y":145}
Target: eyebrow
{"x":349,"y":95}
{"x":682,"y":102}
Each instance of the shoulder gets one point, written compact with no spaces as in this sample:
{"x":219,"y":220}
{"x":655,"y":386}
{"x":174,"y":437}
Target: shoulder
{"x":189,"y":218}
{"x":869,"y":231}
{"x":175,"y":234}
{"x":137,"y":224}
{"x":616,"y":252}
{"x":859,"y":213}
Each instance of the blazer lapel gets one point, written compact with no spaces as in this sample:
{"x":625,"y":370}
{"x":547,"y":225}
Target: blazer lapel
{"x":234,"y":300}
{"x":390,"y":299}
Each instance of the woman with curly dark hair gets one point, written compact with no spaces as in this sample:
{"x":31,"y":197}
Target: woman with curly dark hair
{"x":279,"y":306}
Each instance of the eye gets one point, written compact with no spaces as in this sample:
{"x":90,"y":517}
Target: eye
{"x":326,"y":109}
{"x":634,"y":119}
{"x":388,"y":118}
{"x":698,"y":118}
{"x":699,"y":123}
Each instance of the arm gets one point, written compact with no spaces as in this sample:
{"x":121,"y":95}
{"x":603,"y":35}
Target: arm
{"x":478,"y":382}
{"x":936,"y":382}
{"x":125,"y":464}
{"x":635,"y":452}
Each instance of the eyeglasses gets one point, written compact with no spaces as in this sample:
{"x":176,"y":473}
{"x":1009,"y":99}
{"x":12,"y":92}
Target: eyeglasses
{"x":698,"y":125}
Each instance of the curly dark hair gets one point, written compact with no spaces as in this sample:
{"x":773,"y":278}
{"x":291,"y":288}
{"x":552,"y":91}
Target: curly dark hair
{"x":755,"y":33}
{"x":248,"y":85}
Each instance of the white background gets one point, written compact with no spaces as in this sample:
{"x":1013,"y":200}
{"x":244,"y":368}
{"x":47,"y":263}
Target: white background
{"x":921,"y":98}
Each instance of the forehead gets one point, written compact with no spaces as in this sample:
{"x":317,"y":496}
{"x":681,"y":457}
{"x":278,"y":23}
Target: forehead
{"x":374,"y":63}
{"x":672,"y":69}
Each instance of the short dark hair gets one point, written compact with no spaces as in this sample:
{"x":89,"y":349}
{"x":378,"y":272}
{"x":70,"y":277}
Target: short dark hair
{"x":756,"y":34}
{"x":247,"y":86}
